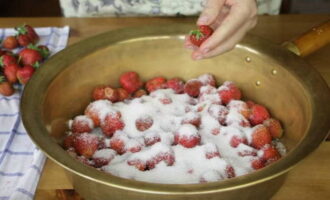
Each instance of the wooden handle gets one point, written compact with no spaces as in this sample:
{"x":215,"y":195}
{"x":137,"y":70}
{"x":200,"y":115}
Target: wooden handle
{"x":310,"y":41}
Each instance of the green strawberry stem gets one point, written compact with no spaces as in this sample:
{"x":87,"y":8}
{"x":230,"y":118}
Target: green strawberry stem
{"x":21,"y":30}
{"x":1,"y":61}
{"x":36,"y":65}
{"x":2,"y":79}
{"x":197,"y":33}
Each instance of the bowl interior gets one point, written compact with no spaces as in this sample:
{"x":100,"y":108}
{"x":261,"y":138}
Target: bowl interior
{"x":266,"y":74}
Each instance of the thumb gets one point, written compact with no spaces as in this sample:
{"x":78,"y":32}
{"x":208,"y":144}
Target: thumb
{"x":210,"y":12}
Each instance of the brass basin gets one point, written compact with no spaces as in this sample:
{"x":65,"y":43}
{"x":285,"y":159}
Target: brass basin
{"x":268,"y":74}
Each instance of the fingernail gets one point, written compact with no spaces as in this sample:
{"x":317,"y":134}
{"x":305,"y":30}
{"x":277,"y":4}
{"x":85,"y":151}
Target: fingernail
{"x":202,"y":20}
{"x":198,"y":57}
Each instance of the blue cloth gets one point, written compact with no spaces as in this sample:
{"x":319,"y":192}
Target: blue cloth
{"x":21,"y":162}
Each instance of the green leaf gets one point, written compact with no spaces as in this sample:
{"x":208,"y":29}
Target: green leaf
{"x":36,"y":65}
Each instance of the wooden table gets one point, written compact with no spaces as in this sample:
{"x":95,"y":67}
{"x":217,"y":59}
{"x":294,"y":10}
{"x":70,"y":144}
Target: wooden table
{"x":309,"y":180}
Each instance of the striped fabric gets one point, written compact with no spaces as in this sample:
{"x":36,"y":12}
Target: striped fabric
{"x":21,"y":162}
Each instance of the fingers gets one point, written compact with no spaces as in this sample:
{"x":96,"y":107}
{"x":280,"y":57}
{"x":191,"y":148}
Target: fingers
{"x":234,"y":21}
{"x":210,"y":12}
{"x":227,"y":45}
{"x":187,"y":44}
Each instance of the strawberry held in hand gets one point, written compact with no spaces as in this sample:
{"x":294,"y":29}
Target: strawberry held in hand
{"x":197,"y":37}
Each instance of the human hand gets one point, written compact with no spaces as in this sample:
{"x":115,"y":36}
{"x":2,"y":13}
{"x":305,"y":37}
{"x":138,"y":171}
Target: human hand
{"x":230,"y":20}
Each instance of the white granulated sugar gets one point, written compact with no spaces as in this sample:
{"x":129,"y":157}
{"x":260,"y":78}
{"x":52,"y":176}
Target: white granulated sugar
{"x":280,"y":147}
{"x":205,"y":162}
{"x":107,"y":154}
{"x":205,"y":78}
{"x":225,"y":85}
{"x":84,"y":119}
{"x":187,"y":130}
{"x":102,"y":107}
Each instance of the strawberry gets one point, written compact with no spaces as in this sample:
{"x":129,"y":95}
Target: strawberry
{"x":130,"y":81}
{"x":24,"y":73}
{"x":30,"y":57}
{"x":143,"y":123}
{"x":270,"y":154}
{"x":82,"y":124}
{"x":86,"y":144}
{"x":260,"y":136}
{"x":207,"y":79}
{"x":211,"y":151}
{"x":68,"y":141}
{"x":151,"y":138}
{"x":236,"y":140}
{"x":10,"y":72}
{"x":197,"y":37}
{"x":103,"y":157}
{"x":229,"y":91}
{"x":139,"y":164}
{"x":6,"y":89}
{"x":98,"y":93}
{"x":122,"y":94}
{"x":176,"y":84}
{"x":258,"y":114}
{"x":192,"y":118}
{"x":218,"y":112}
{"x":44,"y":51}
{"x":155,"y":84}
{"x":139,"y":93}
{"x":7,"y":59}
{"x":97,"y":111}
{"x":192,"y":87}
{"x":230,"y":172}
{"x":250,"y":104}
{"x":118,"y":145}
{"x":2,"y":52}
{"x":257,"y":164}
{"x":112,"y":122}
{"x":26,"y":35}
{"x":274,"y":127}
{"x":10,"y":42}
{"x":240,"y":106}
{"x":187,"y":136}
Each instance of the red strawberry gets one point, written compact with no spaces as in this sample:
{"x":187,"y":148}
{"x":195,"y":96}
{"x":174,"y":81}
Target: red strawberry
{"x":139,"y":93}
{"x":151,"y":138}
{"x":103,"y":157}
{"x":155,"y":84}
{"x":258,"y":114}
{"x":68,"y":141}
{"x":260,"y":136}
{"x":122,"y":94}
{"x":211,"y":151}
{"x":24,"y":73}
{"x":207,"y":79}
{"x":247,"y":152}
{"x":230,"y":172}
{"x":10,"y":72}
{"x":192,"y":87}
{"x":229,"y":91}
{"x":98,"y":93}
{"x":218,"y":112}
{"x":112,"y":122}
{"x":82,"y":124}
{"x":187,"y":136}
{"x":97,"y":111}
{"x":257,"y":164}
{"x":26,"y":35}
{"x":86,"y":144}
{"x":7,"y":59}
{"x":6,"y":89}
{"x":23,"y":40}
{"x":270,"y":154}
{"x":143,"y":123}
{"x":10,"y":42}
{"x":110,"y":94}
{"x":192,"y":118}
{"x":241,"y":107}
{"x":236,"y":140}
{"x":117,"y":144}
{"x":250,"y":104}
{"x":130,"y":81}
{"x":274,"y":127}
{"x":44,"y":51}
{"x":30,"y":57}
{"x":176,"y":84}
{"x":197,"y":37}
{"x":139,"y":164}
{"x":2,"y":52}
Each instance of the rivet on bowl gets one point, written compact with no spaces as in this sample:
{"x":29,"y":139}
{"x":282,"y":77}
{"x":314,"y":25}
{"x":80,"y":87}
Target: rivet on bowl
{"x":258,"y":83}
{"x":274,"y":71}
{"x":248,"y":59}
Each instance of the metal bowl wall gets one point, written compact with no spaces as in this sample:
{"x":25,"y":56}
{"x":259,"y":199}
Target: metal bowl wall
{"x":293,"y":91}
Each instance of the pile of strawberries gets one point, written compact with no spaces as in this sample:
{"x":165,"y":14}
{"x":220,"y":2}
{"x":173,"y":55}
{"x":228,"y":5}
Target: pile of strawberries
{"x":19,"y":67}
{"x":84,"y":146}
